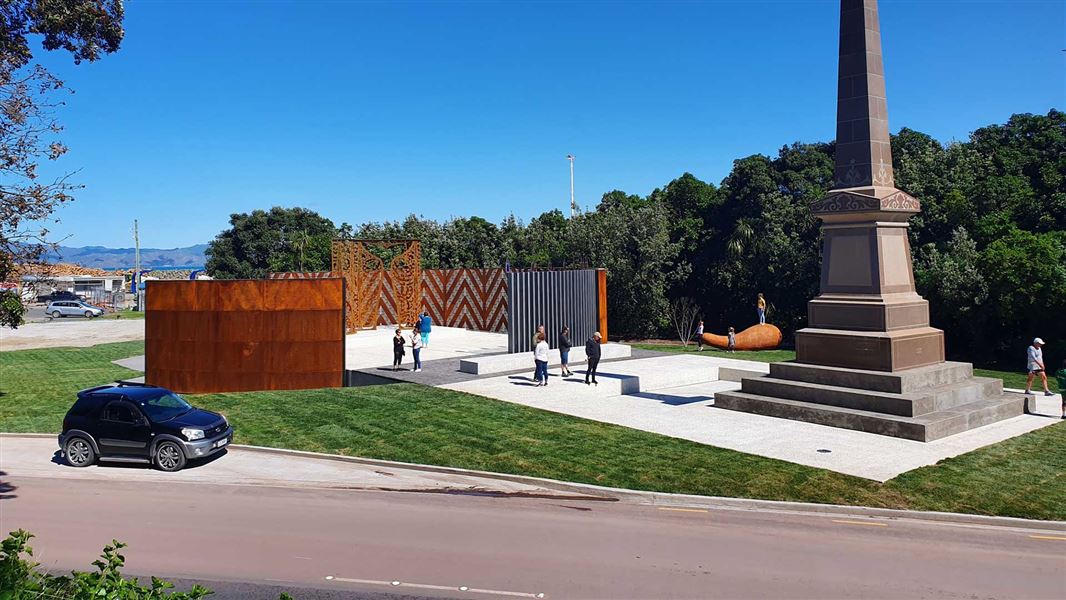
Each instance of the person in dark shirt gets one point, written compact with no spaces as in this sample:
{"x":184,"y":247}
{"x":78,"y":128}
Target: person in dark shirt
{"x":592,"y":352}
{"x":564,"y":351}
{"x":397,"y":350}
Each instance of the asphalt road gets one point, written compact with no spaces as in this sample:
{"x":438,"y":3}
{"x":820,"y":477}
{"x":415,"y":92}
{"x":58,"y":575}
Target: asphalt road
{"x":359,"y":542}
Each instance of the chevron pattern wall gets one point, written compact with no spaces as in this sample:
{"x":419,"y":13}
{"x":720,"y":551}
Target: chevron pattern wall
{"x":470,"y":298}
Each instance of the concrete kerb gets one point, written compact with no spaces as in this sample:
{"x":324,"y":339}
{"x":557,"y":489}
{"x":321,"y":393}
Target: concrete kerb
{"x":602,"y":493}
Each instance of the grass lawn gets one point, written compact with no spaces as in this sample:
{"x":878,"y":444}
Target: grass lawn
{"x":1023,"y":477}
{"x":123,"y":314}
{"x":1011,"y":379}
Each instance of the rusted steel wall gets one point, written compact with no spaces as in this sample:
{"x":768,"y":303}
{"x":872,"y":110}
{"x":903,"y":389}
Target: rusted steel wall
{"x":471,"y":298}
{"x":244,"y":335}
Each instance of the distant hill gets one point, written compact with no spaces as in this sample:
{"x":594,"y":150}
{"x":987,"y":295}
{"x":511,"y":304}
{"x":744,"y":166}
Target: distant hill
{"x":122,"y":258}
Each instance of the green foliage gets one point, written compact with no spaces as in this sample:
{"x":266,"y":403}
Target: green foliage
{"x":278,"y":240}
{"x":21,"y":580}
{"x":11,"y":309}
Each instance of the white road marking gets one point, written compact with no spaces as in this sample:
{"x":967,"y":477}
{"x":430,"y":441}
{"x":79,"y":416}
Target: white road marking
{"x":427,"y":586}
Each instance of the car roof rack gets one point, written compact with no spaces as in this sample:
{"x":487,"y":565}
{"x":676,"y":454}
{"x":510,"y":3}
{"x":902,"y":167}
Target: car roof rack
{"x":127,"y":383}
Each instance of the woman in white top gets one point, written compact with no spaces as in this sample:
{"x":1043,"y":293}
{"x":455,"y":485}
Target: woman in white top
{"x":540,"y":355}
{"x":416,"y":347}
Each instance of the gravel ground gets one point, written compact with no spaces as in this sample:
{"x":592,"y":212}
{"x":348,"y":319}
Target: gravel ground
{"x":70,"y":332}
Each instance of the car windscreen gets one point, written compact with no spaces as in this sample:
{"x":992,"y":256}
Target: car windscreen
{"x":165,"y":407}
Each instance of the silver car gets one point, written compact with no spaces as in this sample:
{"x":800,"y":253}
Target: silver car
{"x":72,"y":308}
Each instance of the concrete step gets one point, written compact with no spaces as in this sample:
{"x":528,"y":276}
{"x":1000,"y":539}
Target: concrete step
{"x":906,"y":405}
{"x":505,"y":363}
{"x":923,"y":428}
{"x":899,"y":382}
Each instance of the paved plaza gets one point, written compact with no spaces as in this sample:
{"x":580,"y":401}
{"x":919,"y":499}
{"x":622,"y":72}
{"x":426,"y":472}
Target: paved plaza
{"x":372,"y":348}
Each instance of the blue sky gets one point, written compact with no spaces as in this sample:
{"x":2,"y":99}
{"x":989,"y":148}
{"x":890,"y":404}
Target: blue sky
{"x":370,"y":111}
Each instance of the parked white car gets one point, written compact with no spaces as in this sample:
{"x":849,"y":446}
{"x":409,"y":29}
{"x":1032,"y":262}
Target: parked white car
{"x":72,"y":308}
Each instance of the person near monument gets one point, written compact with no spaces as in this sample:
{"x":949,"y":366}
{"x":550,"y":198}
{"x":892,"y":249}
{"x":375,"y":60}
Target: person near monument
{"x":540,"y":356}
{"x":397,"y":349}
{"x":732,"y":345}
{"x":699,"y":337}
{"x":1034,"y":364}
{"x":416,"y":347}
{"x":1061,"y":376}
{"x":564,"y":351}
{"x":760,"y":305}
{"x":592,"y":354}
{"x":425,"y":325}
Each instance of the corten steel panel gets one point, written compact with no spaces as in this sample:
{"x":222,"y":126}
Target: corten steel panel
{"x":244,"y":335}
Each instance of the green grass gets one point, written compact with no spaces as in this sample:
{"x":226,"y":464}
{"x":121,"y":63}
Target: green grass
{"x":123,"y":314}
{"x":1011,"y":379}
{"x":38,"y":386}
{"x":1023,"y":477}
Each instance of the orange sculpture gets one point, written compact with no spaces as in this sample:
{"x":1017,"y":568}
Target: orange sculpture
{"x":756,"y":337}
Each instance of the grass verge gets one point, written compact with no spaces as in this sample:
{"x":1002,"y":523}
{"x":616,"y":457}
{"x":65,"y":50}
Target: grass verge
{"x":1011,"y":379}
{"x":1022,"y":477}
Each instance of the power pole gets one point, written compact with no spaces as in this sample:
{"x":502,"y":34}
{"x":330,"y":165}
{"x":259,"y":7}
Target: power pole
{"x":573,"y":207}
{"x":136,"y":266}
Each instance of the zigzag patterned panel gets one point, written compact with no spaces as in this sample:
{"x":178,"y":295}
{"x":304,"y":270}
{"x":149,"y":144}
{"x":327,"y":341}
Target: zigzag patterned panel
{"x":471,"y":298}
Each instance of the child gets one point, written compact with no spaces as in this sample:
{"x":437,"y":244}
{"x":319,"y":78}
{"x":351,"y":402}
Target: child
{"x":699,"y":337}
{"x":1061,"y":376}
{"x":732,"y":341}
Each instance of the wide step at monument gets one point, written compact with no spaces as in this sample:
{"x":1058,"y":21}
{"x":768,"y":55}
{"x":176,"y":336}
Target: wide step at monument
{"x":868,"y":359}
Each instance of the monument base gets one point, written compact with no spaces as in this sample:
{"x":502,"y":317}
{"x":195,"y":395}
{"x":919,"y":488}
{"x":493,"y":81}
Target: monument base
{"x":871,"y":350}
{"x":923,"y":403}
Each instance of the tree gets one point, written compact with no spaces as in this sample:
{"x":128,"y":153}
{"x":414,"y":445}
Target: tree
{"x":684,"y":314}
{"x":87,"y":29}
{"x":278,"y":240}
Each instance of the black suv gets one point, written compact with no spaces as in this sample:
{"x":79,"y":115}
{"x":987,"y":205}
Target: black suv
{"x":60,"y":295}
{"x":134,"y":422}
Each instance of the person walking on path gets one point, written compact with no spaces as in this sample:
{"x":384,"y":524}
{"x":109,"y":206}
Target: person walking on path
{"x":540,"y":356}
{"x":592,"y":354}
{"x":699,"y":337}
{"x":760,"y":304}
{"x":1034,"y":358}
{"x":416,"y":348}
{"x":425,"y":325}
{"x":732,"y":345}
{"x":1061,"y":376}
{"x":564,"y":351}
{"x":397,"y":350}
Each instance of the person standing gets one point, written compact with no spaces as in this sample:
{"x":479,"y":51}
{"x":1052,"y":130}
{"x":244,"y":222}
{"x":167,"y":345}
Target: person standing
{"x":564,"y":351}
{"x":592,"y":354}
{"x":425,"y":325}
{"x":416,"y":348}
{"x":699,"y":337}
{"x":537,"y":335}
{"x":1034,"y":358}
{"x":540,"y":356}
{"x":760,"y":305}
{"x":397,"y":350}
{"x":732,"y":345}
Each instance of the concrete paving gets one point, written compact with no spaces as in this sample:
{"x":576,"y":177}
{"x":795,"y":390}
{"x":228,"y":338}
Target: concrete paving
{"x":674,"y":396}
{"x":373,"y":348}
{"x":38,"y":457}
{"x":71,"y":332}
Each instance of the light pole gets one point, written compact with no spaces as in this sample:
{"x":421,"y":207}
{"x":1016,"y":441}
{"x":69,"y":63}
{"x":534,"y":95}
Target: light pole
{"x":573,"y":207}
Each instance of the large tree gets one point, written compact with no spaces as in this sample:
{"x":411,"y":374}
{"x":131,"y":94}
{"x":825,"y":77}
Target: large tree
{"x":278,"y":240}
{"x":87,"y":29}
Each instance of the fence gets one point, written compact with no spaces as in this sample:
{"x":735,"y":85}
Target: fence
{"x":552,"y":299}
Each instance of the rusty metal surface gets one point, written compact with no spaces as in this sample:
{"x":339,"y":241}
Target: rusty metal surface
{"x":244,"y":335}
{"x":371,"y":283}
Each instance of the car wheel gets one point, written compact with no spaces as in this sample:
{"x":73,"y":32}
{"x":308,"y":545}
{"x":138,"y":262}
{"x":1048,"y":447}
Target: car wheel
{"x":56,"y":314}
{"x":88,"y":314}
{"x":169,"y":457}
{"x":79,"y":452}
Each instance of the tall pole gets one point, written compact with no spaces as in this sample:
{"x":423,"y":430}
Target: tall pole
{"x":573,"y":207}
{"x":136,"y":265}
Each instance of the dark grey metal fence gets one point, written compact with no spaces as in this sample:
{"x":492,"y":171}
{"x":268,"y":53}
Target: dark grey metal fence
{"x":552,"y":299}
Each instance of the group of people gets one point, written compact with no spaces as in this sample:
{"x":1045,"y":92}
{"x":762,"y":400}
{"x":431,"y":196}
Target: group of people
{"x":541,"y":351}
{"x":419,"y":339}
{"x":731,"y":344}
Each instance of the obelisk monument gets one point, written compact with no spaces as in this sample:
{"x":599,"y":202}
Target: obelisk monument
{"x":868,"y":315}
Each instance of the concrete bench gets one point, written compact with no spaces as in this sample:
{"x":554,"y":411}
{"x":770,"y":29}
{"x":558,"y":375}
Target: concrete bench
{"x":503,"y":363}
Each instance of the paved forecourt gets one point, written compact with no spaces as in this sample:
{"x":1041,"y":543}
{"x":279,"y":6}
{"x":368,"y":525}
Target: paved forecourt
{"x":674,"y":396}
{"x":373,"y":347}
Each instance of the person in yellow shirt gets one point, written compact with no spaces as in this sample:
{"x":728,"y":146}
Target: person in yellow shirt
{"x":761,"y":305}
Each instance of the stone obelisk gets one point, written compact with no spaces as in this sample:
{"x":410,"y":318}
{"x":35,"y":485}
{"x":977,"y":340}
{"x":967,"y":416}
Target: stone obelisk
{"x":869,"y":360}
{"x":868,"y":315}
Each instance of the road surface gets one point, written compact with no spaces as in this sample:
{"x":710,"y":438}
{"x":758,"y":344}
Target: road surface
{"x":431,"y":544}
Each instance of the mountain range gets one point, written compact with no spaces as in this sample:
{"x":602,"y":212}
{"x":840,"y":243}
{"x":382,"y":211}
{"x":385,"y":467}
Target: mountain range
{"x":100,"y":257}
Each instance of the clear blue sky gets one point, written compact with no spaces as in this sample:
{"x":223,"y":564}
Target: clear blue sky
{"x":370,"y":111}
